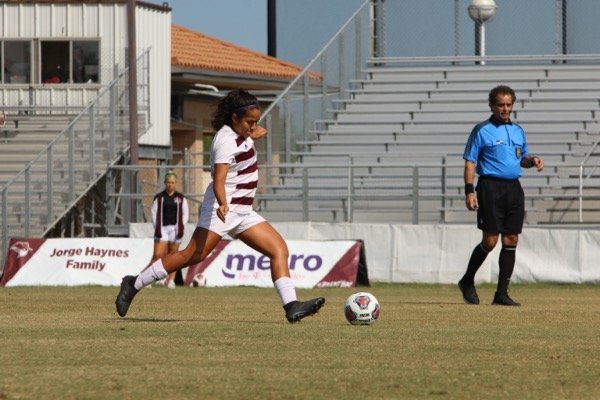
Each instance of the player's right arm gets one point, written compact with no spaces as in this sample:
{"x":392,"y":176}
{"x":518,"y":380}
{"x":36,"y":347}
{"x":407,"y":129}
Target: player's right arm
{"x":220,"y":176}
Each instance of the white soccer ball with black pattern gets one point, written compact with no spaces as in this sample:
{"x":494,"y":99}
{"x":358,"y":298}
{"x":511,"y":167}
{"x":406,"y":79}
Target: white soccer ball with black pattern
{"x":199,"y":280}
{"x":362,"y":308}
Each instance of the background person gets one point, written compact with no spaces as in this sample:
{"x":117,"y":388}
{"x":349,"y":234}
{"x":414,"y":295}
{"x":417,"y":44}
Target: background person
{"x":227,"y":209}
{"x":496,"y":150}
{"x":170,"y":213}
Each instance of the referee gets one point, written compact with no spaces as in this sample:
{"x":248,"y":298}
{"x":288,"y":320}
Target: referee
{"x":496,"y":150}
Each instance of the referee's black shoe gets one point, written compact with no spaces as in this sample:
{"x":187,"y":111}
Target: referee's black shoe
{"x":468,"y":292}
{"x":502,"y":299}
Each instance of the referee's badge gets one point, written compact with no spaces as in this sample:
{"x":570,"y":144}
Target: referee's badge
{"x":518,"y":152}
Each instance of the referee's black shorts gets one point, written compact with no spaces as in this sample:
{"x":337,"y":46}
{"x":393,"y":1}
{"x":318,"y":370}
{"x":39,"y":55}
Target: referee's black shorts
{"x":501,"y":205}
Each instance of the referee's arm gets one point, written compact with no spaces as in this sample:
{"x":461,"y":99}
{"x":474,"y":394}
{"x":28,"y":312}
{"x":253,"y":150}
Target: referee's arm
{"x":469,"y":176}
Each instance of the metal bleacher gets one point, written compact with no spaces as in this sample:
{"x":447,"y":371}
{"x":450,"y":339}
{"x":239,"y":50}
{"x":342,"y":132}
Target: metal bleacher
{"x":392,"y":150}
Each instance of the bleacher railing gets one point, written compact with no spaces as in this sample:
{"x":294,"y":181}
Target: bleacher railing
{"x":323,"y":80}
{"x":390,"y":192}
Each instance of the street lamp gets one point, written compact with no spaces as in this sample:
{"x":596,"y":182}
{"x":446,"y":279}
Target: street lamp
{"x":481,"y":11}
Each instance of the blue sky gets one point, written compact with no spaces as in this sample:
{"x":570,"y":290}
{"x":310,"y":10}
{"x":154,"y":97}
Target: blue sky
{"x":241,"y":22}
{"x":304,"y":26}
{"x":244,"y":23}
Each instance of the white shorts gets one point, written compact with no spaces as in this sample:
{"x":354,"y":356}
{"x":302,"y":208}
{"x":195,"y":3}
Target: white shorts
{"x":234,"y":224}
{"x":169,"y":234}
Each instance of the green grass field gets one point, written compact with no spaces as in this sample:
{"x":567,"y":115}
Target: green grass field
{"x":234,"y":343}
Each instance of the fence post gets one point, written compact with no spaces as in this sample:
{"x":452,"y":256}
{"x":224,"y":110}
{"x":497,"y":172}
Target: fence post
{"x":306,"y":106}
{"x":287,"y":128}
{"x":580,"y":193}
{"x":109,"y":202}
{"x":4,"y":248}
{"x":304,"y":194}
{"x":184,"y":172}
{"x":50,"y":184}
{"x":350,"y":209}
{"x":444,"y":183}
{"x":415,"y":218}
{"x":324,"y":85}
{"x":27,"y":205}
{"x":269,"y":145}
{"x":92,"y":142}
{"x":341,"y":65}
{"x":71,"y":156}
{"x":113,"y":126}
{"x":358,"y":57}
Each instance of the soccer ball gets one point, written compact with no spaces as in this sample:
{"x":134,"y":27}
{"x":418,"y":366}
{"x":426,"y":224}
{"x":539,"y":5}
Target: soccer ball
{"x":362,"y":309}
{"x":199,"y":280}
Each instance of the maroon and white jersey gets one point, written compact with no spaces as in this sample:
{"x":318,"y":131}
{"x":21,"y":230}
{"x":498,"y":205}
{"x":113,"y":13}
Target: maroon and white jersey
{"x":242,"y":177}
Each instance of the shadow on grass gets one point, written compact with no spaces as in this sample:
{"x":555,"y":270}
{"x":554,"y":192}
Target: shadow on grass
{"x":164,"y":320}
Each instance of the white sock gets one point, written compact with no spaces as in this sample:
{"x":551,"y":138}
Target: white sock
{"x":153,"y":273}
{"x":286,"y":289}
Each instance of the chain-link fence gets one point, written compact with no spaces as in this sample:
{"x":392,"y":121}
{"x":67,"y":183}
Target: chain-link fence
{"x":432,"y":28}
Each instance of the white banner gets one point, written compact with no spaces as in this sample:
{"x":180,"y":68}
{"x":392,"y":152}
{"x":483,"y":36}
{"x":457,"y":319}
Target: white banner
{"x":73,"y":262}
{"x":104,"y":261}
{"x":440,"y":253}
{"x":311,"y":264}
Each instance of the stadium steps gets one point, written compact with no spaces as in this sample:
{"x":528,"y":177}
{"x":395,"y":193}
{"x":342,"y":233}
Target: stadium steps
{"x":423,"y":116}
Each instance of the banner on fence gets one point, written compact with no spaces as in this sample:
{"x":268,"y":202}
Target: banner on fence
{"x":336,"y":263}
{"x":104,"y":261}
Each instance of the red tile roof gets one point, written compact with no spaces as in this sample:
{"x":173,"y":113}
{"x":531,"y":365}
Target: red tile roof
{"x":195,"y":50}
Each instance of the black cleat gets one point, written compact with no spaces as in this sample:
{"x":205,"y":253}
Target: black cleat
{"x":504,"y":300}
{"x":468,"y":291}
{"x":126,"y":294}
{"x":296,"y":310}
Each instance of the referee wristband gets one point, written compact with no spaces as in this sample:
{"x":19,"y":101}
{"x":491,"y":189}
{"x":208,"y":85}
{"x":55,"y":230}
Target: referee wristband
{"x":469,"y":188}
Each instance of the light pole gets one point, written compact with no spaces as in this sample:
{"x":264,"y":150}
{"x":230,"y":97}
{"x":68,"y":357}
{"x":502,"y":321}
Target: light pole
{"x":481,"y":11}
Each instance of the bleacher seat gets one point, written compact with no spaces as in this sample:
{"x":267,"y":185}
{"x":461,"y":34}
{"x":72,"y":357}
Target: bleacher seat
{"x":422,"y":116}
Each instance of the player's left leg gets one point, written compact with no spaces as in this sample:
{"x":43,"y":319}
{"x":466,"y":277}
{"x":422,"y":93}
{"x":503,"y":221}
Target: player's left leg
{"x":202,"y":243}
{"x":263,"y":238}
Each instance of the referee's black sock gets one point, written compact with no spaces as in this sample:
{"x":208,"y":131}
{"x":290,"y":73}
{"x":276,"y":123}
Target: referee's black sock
{"x":478,"y":256}
{"x":506,"y":262}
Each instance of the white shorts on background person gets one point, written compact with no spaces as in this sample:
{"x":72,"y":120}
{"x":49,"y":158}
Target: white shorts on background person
{"x":235,"y":223}
{"x":169,"y":234}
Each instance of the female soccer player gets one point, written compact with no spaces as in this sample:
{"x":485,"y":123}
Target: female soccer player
{"x":227,"y":209}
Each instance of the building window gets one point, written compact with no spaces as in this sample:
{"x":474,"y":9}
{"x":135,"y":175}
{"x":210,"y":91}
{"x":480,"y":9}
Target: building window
{"x":86,"y":55}
{"x":177,"y":107}
{"x":55,"y":62}
{"x":69,"y":61}
{"x":16,"y":62}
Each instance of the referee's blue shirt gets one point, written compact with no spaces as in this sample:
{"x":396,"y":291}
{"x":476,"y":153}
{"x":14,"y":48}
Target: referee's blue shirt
{"x":497,"y":149}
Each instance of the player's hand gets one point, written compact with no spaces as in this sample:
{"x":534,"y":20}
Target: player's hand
{"x":257,"y":132}
{"x":538,"y":163}
{"x":222,"y":212}
{"x":471,"y":202}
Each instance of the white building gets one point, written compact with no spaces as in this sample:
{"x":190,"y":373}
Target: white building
{"x":64,"y":53}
